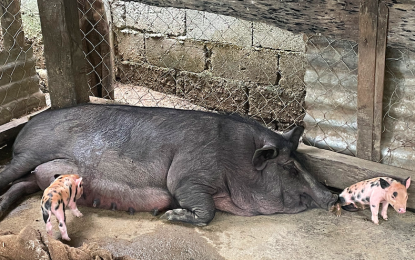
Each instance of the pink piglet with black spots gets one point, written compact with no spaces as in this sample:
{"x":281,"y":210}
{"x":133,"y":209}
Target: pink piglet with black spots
{"x":372,"y":192}
{"x":62,"y":193}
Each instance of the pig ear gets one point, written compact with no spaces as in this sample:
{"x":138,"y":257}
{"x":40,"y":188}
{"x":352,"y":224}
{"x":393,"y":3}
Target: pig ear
{"x":407,"y":182}
{"x":294,"y":136}
{"x":262,"y":155}
{"x":383,"y":184}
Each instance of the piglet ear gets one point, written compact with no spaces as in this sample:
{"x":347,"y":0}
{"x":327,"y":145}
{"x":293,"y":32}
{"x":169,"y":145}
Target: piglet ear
{"x":261,"y":156}
{"x":383,"y":184}
{"x":78,"y":182}
{"x":407,"y":182}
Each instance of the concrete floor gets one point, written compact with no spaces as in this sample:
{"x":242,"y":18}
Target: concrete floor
{"x":314,"y":234}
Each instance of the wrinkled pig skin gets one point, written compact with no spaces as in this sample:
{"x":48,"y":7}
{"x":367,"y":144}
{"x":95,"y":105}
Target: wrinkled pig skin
{"x":189,"y":163}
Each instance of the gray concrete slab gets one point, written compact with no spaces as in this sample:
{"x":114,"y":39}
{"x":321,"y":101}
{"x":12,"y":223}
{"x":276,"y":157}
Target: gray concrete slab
{"x":314,"y":234}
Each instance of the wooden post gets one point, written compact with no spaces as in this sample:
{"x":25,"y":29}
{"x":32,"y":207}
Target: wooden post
{"x":372,"y":48}
{"x":379,"y":79}
{"x":65,"y":61}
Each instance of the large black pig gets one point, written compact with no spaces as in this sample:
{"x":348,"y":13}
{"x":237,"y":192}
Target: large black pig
{"x":189,"y":163}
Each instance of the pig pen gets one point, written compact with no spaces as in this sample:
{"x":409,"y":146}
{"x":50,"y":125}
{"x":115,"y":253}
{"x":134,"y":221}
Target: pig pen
{"x":106,"y":234}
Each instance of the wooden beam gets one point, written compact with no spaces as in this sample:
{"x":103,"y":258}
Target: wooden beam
{"x":9,"y":131}
{"x":332,"y":18}
{"x":65,"y":62}
{"x":366,"y":77}
{"x":340,"y":171}
{"x":382,"y":34}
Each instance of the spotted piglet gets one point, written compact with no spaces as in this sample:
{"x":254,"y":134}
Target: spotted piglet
{"x":62,"y":193}
{"x":372,"y":192}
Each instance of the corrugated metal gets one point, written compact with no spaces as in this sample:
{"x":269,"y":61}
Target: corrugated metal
{"x":331,"y":99}
{"x":398,"y":136}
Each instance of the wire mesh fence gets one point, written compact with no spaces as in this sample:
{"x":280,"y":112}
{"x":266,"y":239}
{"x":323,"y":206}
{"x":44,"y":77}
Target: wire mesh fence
{"x":96,"y":44}
{"x":150,"y":56}
{"x":211,"y":61}
{"x":398,"y":133}
{"x":19,"y":84}
{"x":331,"y":78}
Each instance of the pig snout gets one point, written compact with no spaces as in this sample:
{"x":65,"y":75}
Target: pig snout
{"x":401,"y":210}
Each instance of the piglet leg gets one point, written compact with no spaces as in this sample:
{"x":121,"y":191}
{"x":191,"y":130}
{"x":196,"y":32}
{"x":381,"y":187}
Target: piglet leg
{"x":46,"y":218}
{"x":75,"y":211}
{"x":60,"y":216}
{"x":384,"y":212}
{"x":374,"y":208}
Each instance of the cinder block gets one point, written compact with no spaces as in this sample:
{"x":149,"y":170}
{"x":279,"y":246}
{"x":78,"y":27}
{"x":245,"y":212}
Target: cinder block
{"x":268,"y":36}
{"x":272,"y":105}
{"x":282,"y":104}
{"x":212,"y":93}
{"x":175,"y":54}
{"x":214,"y":27}
{"x":130,"y":45}
{"x":141,"y":74}
{"x":292,"y":67}
{"x":118,"y":13}
{"x":244,"y":64}
{"x":167,"y":20}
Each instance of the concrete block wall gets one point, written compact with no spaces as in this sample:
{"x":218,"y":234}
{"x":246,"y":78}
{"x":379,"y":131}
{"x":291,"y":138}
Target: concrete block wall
{"x":215,"y":61}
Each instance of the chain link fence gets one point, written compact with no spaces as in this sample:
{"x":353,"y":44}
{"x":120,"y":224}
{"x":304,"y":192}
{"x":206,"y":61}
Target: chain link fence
{"x":19,"y":84}
{"x":96,"y":44}
{"x":398,"y":133}
{"x":199,"y":60}
{"x":150,"y":56}
{"x":331,"y":79}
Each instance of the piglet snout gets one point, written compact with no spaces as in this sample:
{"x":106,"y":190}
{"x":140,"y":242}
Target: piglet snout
{"x":402,"y":210}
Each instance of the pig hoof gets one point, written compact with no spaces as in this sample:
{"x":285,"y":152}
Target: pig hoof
{"x":131,"y":211}
{"x":336,"y":209}
{"x":66,"y":238}
{"x":155,"y":212}
{"x":183,"y":215}
{"x":96,"y":203}
{"x":113,"y":206}
{"x":385,"y":218}
{"x":172,"y":214}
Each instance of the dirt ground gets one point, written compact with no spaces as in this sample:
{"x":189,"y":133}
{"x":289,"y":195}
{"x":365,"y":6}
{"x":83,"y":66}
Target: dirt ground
{"x":314,"y":234}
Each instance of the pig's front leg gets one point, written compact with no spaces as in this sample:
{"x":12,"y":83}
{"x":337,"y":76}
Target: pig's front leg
{"x":197,"y":206}
{"x":384,"y":211}
{"x":374,"y":208}
{"x":75,"y":211}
